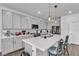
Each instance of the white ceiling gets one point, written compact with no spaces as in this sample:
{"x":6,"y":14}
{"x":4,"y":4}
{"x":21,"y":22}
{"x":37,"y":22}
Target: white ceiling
{"x":32,"y":8}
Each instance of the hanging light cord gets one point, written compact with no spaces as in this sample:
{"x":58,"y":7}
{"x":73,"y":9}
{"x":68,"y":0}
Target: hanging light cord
{"x":49,"y":9}
{"x":55,"y":13}
{"x":55,"y":10}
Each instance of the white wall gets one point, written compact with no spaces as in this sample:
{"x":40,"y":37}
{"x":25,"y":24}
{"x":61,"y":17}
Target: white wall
{"x":65,"y":26}
{"x":0,"y":27}
{"x":70,"y":26}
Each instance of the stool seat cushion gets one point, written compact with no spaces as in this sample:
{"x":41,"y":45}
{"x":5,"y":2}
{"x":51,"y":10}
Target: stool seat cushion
{"x":52,"y":50}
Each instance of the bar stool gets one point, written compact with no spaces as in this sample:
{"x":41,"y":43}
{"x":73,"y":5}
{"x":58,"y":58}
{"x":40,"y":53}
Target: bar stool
{"x":25,"y":53}
{"x":66,"y":45}
{"x":56,"y":51}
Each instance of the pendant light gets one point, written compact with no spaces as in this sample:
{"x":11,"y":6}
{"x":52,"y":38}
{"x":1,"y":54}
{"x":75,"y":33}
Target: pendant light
{"x":56,"y":17}
{"x":55,"y":12}
{"x":49,"y":17}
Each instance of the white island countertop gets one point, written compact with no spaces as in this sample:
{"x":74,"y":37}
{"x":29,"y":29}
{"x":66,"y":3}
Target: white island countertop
{"x":42,"y":43}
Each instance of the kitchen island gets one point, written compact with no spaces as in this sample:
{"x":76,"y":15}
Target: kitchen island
{"x":41,"y":43}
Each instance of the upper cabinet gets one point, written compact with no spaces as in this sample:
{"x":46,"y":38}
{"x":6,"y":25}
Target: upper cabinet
{"x":12,"y":20}
{"x":43,"y":24}
{"x":40,"y":22}
{"x":7,"y":19}
{"x":24,"y":22}
{"x":16,"y":21}
{"x":31,"y":21}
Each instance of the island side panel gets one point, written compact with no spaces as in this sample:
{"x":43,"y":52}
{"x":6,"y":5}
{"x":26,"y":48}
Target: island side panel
{"x":28,"y":48}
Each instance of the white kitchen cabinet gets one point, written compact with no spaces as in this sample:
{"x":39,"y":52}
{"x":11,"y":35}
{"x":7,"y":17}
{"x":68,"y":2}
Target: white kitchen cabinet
{"x":32,"y":21}
{"x":28,"y":48}
{"x":29,"y":23}
{"x":35,"y":21}
{"x":42,"y":24}
{"x":7,"y":19}
{"x":16,"y":21}
{"x":24,"y":22}
{"x":17,"y":43}
{"x":10,"y":44}
{"x":7,"y":46}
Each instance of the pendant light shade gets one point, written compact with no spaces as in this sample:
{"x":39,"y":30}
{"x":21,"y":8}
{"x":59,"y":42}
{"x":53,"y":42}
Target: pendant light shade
{"x":49,"y":18}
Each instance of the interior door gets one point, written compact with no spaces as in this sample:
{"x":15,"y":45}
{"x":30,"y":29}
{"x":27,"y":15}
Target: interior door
{"x":74,"y":30}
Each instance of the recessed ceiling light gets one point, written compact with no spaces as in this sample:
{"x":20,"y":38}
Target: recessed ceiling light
{"x":69,"y":12}
{"x":38,"y":12}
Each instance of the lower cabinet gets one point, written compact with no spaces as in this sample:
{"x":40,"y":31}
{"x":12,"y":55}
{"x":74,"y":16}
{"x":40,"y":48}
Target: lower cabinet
{"x":17,"y":43}
{"x":10,"y":45}
{"x":7,"y":46}
{"x":28,"y":48}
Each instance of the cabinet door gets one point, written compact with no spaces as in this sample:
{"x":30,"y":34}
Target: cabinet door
{"x":17,"y":43}
{"x":24,"y":22}
{"x":16,"y":21}
{"x":42,"y":24}
{"x":57,"y":29}
{"x":28,"y":48}
{"x":7,"y":19}
{"x":7,"y":46}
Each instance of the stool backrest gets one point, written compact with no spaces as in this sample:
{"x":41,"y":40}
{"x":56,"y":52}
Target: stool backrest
{"x":60,"y":44}
{"x":66,"y":39}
